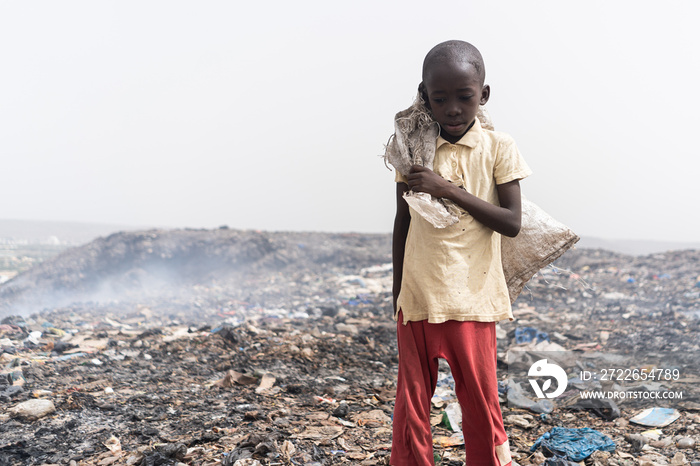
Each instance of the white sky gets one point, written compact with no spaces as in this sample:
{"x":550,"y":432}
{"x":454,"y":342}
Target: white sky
{"x":272,"y":115}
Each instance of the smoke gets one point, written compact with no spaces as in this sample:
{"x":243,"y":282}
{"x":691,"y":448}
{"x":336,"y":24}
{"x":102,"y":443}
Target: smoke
{"x":192,"y":271}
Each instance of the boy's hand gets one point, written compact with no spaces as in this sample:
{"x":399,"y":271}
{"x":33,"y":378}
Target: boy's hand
{"x":424,"y":180}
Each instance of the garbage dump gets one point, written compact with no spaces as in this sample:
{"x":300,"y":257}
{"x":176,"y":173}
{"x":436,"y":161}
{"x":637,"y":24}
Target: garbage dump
{"x":225,"y":347}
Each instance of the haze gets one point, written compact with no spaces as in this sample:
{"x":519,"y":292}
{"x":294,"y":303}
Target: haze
{"x":273,"y":115}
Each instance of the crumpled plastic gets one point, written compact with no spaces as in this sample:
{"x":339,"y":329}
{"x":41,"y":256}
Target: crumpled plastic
{"x":574,"y":444}
{"x":527,"y":334}
{"x":431,"y":209}
{"x":541,"y":240}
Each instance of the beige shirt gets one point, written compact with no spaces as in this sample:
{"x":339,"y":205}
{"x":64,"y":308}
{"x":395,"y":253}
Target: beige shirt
{"x":455,"y":273}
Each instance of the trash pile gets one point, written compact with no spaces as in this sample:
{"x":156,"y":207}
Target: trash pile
{"x":279,"y":349}
{"x":193,"y":269}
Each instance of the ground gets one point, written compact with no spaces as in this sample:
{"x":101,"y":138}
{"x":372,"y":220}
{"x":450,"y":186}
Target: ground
{"x":309,"y":377}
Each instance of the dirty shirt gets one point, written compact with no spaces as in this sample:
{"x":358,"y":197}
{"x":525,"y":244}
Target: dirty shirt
{"x":455,"y":273}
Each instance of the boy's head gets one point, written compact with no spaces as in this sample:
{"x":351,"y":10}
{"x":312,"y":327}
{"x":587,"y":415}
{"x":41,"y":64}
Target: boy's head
{"x":453,"y":86}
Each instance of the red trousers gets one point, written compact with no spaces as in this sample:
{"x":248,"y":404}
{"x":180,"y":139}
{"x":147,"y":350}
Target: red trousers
{"x":470,"y":349}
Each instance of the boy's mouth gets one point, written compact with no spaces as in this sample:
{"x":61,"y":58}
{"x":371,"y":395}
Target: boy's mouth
{"x":454,"y":127}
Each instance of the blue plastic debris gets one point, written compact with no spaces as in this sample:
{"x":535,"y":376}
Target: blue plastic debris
{"x":631,"y":280}
{"x":502,"y":387}
{"x":446,"y":381}
{"x":656,"y":417}
{"x":359,"y":299}
{"x":574,"y":444}
{"x":527,"y":334}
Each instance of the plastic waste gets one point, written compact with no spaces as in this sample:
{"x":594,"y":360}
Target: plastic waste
{"x":528,"y":334}
{"x":342,"y":409}
{"x":7,"y":393}
{"x":517,"y":398}
{"x":686,"y":442}
{"x":574,"y":444}
{"x":606,"y":409}
{"x":446,"y":380}
{"x":637,"y":441}
{"x":442,"y":396}
{"x":33,"y":409}
{"x":502,"y":387}
{"x":542,"y":407}
{"x":227,"y":332}
{"x":60,"y":347}
{"x":452,"y":417}
{"x":652,"y":434}
{"x":656,"y":417}
{"x":33,"y":338}
{"x":519,"y":420}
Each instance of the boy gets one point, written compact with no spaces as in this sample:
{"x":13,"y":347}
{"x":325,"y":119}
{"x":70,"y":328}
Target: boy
{"x":449,"y":288}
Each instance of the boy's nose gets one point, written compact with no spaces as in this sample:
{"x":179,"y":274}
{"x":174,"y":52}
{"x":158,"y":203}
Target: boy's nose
{"x":453,"y":110}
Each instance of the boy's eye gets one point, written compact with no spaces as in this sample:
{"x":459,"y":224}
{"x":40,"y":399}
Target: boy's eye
{"x":438,"y":100}
{"x":466,"y":97}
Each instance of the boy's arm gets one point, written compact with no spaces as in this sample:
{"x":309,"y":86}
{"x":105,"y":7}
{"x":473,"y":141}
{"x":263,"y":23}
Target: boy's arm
{"x":504,"y":218}
{"x":398,"y":245}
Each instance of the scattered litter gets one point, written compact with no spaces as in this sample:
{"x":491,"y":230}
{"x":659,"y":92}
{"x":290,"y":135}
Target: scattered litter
{"x":516,"y":397}
{"x":574,"y":444}
{"x":606,"y":409}
{"x":453,"y":440}
{"x":686,"y":442}
{"x":452,"y":417}
{"x":656,"y":417}
{"x":528,"y":334}
{"x":32,"y":410}
{"x":235,"y":378}
{"x":266,"y":382}
{"x":301,"y":363}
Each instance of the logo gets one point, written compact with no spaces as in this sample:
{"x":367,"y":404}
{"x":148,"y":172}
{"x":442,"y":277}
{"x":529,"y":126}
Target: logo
{"x":542,"y":368}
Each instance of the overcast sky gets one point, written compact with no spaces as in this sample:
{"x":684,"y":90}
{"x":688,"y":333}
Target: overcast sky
{"x":272,"y":115}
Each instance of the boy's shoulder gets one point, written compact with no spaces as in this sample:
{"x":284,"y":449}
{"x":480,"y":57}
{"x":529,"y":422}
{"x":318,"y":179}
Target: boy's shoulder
{"x":498,"y":138}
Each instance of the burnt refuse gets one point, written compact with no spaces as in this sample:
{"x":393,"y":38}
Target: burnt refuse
{"x":210,"y":347}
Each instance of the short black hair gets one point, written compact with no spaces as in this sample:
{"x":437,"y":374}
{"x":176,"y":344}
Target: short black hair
{"x":458,"y":51}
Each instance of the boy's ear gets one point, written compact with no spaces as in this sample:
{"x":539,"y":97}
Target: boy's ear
{"x":424,"y":94}
{"x":485,"y":94}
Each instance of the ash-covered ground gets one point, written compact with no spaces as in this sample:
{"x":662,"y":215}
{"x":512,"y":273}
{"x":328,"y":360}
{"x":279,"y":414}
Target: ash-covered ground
{"x":239,"y":348}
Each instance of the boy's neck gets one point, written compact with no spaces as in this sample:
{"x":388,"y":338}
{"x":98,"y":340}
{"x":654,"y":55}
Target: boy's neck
{"x":455,"y":139}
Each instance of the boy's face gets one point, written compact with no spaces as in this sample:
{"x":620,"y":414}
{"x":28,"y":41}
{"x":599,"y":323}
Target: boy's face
{"x":454,"y":93}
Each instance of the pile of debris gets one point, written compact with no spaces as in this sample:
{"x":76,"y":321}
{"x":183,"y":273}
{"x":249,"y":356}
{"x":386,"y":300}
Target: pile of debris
{"x":279,"y":348}
{"x":190,"y":265}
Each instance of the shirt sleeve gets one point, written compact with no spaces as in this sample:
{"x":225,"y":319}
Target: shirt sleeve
{"x":510,"y":165}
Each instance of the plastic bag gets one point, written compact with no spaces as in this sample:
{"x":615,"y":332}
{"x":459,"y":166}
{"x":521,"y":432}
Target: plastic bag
{"x":574,"y":444}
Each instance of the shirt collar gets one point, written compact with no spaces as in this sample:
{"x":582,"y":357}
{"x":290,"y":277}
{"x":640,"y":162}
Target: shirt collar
{"x":470,"y":139}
